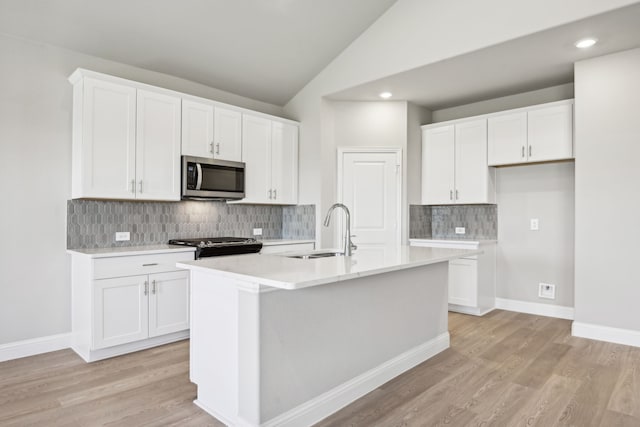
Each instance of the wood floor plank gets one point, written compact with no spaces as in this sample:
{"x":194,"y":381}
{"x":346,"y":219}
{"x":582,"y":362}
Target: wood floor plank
{"x":616,"y":419}
{"x":625,"y":398}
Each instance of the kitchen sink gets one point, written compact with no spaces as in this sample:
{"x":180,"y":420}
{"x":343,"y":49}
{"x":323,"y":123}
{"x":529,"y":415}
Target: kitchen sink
{"x":315,"y":255}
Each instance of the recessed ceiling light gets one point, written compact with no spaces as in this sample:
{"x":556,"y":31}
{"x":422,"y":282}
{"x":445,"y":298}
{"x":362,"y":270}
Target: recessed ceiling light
{"x":386,"y":95}
{"x":585,"y":43}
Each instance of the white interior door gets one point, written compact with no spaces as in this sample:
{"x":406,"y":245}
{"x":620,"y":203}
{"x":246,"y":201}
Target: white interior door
{"x":370,"y":183}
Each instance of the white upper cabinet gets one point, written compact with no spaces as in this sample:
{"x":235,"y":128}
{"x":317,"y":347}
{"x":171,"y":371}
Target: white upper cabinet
{"x":474,"y":180}
{"x":438,"y":169}
{"x":270,"y":151}
{"x":126,"y":141}
{"x":211,"y":131}
{"x":104,"y":138}
{"x":533,"y":134}
{"x":507,"y":136}
{"x":128,"y":138}
{"x":197,"y":129}
{"x":284,"y":163}
{"x":454,"y":164}
{"x":227,"y":134}
{"x":157,"y":146}
{"x":550,"y":133}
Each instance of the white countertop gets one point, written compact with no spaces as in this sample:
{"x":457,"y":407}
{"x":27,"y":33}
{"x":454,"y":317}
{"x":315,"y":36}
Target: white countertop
{"x":130,"y":250}
{"x":274,"y":242}
{"x":292,"y":273}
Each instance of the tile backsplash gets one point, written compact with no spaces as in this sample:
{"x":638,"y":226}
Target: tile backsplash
{"x":93,"y":223}
{"x":480,"y":222}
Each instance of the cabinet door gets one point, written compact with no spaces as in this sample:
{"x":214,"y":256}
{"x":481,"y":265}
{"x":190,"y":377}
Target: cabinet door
{"x":438,"y":165}
{"x":168,"y":302}
{"x":507,"y":139}
{"x":227,"y":134}
{"x":120,"y":311}
{"x":108,"y":140}
{"x":256,"y":149}
{"x":463,"y":282}
{"x":471,"y":168}
{"x":197,"y":129}
{"x":158,"y":146}
{"x":550,"y":133}
{"x":284,"y":163}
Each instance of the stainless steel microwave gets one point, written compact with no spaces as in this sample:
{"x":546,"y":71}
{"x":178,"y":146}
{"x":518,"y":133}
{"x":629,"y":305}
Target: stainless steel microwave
{"x":210,"y":179}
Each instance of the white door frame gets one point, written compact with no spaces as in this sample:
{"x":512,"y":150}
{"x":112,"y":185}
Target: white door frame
{"x":376,"y":150}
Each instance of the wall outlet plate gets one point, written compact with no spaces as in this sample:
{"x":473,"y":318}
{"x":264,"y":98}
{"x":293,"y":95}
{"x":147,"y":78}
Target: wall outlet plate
{"x":460,"y":230}
{"x":122,"y":236}
{"x":257,"y":231}
{"x":546,"y":290}
{"x":535,"y":225}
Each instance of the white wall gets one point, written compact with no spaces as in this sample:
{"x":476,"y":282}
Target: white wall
{"x":364,"y":124}
{"x":35,"y":171}
{"x":541,"y":96}
{"x":414,"y":33}
{"x":608,"y":191}
{"x":525,"y":257}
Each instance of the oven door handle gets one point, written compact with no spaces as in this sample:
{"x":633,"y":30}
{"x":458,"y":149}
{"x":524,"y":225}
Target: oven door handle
{"x":199,"y":178}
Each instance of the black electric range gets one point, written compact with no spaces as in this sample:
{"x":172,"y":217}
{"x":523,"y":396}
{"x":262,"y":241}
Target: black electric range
{"x":217,"y":246}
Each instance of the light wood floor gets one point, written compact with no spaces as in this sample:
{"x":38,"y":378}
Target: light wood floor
{"x":504,"y":369}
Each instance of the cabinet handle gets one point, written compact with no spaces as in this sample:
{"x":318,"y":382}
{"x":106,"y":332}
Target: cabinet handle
{"x":153,"y":287}
{"x":270,"y":193}
{"x":218,"y":148}
{"x":140,"y":186}
{"x":275,"y":194}
{"x":146,"y":287}
{"x":133,"y":185}
{"x":457,"y":195}
{"x":211,"y":147}
{"x":529,"y":151}
{"x":450,"y":194}
{"x":150,"y":264}
{"x":523,"y":151}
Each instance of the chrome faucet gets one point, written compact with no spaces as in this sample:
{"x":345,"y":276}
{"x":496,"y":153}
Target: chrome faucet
{"x":349,"y":247}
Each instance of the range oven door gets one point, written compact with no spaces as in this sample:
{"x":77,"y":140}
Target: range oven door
{"x":209,"y":179}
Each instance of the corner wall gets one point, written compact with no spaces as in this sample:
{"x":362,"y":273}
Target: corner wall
{"x":608,"y":197}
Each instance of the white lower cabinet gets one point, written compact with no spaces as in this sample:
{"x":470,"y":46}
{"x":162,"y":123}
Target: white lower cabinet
{"x":472,"y":280}
{"x":126,"y":303}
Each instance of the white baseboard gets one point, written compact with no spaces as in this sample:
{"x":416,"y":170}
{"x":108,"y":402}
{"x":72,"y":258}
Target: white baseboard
{"x":559,"y":311}
{"x":337,"y":398}
{"x":18,"y":349}
{"x":474,"y":311}
{"x":606,"y":333}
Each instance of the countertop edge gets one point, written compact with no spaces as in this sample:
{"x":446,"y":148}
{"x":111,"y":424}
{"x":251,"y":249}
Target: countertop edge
{"x":325,"y":280}
{"x":129,"y":251}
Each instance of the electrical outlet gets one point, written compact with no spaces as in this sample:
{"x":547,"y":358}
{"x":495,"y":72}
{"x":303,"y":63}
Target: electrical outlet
{"x":122,"y":236}
{"x":460,"y":230}
{"x":547,"y":290}
{"x":535,"y":225}
{"x":257,"y":231}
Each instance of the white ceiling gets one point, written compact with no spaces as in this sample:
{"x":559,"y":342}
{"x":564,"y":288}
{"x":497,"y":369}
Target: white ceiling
{"x":537,"y":61}
{"x":269,"y":49}
{"x":263,"y":49}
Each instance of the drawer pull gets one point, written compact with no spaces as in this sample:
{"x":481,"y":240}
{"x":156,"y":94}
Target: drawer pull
{"x":150,"y":264}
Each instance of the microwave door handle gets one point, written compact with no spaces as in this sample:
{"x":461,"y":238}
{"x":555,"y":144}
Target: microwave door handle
{"x":199,"y":179}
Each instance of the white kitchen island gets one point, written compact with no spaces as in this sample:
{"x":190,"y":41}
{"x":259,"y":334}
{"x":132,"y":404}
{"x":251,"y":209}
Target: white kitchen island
{"x":279,"y":341}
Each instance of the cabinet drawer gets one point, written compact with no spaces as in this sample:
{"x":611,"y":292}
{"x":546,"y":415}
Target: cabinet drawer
{"x":138,"y":264}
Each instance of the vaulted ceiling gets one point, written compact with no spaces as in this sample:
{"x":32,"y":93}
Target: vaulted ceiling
{"x":263,"y":49}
